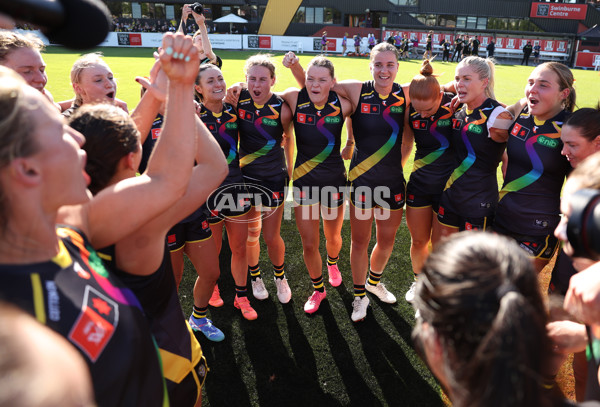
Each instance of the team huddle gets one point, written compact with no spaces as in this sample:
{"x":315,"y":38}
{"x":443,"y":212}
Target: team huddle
{"x":107,"y":277}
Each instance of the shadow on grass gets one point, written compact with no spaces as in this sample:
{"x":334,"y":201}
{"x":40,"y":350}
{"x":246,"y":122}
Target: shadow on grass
{"x":289,"y":358}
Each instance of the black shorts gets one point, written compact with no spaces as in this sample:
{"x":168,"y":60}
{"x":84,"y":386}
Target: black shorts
{"x":196,"y":230}
{"x":385,"y":197}
{"x":538,"y":247}
{"x":187,"y":392}
{"x":415,"y":198}
{"x":228,"y":201}
{"x":329,"y":196}
{"x":268,"y":192}
{"x":449,"y":218}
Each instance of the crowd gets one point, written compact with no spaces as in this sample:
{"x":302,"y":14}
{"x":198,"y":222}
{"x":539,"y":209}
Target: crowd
{"x":99,"y":205}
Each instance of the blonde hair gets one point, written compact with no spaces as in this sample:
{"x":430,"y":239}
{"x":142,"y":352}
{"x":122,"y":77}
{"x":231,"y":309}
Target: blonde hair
{"x":11,"y":41}
{"x":425,"y":85}
{"x":84,"y":62}
{"x":485,"y":68}
{"x":260,"y":60}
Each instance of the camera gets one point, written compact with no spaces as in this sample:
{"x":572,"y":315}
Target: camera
{"x":583,"y":228}
{"x":197,"y":8}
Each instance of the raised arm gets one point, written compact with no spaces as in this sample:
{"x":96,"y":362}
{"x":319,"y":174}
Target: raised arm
{"x":149,"y":106}
{"x":291,"y":61}
{"x":185,"y":14}
{"x":206,"y":45}
{"x":126,"y":206}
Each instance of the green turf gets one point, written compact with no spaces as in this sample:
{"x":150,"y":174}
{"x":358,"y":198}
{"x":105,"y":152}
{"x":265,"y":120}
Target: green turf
{"x":286,"y":358}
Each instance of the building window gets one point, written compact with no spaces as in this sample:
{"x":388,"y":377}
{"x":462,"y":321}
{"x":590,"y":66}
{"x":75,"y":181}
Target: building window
{"x":136,"y":10}
{"x":300,"y":16}
{"x":471,"y":22}
{"x":481,"y":23}
{"x":447,"y":21}
{"x":332,"y":16}
{"x":427,"y":19}
{"x":461,"y":22}
{"x":310,"y":15}
{"x":318,"y":15}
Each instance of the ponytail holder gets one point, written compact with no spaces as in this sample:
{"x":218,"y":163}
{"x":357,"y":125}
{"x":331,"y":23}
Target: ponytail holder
{"x":504,"y":289}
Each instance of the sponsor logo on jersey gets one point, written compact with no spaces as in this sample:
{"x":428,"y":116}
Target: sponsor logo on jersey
{"x":519,"y":131}
{"x":456,"y":123}
{"x":269,"y":122}
{"x":205,"y":225}
{"x":419,"y":124}
{"x":96,"y":323}
{"x":469,"y":226}
{"x":541,"y":223}
{"x":155,"y":133}
{"x":246,"y":115}
{"x":443,"y":123}
{"x":397,"y":109}
{"x":277,"y":195}
{"x":211,"y":126}
{"x":231,"y":125}
{"x":547,"y":142}
{"x":441,"y":210}
{"x":306,"y":118}
{"x":369,"y":108}
{"x":411,"y":197}
{"x":398,"y":197}
{"x":171,"y":239}
{"x":475,"y":128}
{"x":333,"y":119}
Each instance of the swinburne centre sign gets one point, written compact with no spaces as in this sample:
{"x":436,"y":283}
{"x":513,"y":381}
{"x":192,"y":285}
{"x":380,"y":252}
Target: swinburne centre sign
{"x":558,"y":10}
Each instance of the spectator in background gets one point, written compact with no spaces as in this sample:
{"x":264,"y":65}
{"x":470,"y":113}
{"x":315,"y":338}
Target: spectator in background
{"x":415,"y":46}
{"x":429,"y":46}
{"x":324,"y":43}
{"x":491,"y":48}
{"x":446,"y":50}
{"x":372,"y":41}
{"x":467,"y":48}
{"x":458,"y":46}
{"x":536,"y":53}
{"x":357,"y":44}
{"x":527,"y":49}
{"x":344,"y":44}
{"x":475,"y":47}
{"x":405,"y":46}
{"x":398,"y":43}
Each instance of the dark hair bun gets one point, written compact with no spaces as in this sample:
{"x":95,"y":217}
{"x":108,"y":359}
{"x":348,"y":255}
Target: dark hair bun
{"x":426,"y":68}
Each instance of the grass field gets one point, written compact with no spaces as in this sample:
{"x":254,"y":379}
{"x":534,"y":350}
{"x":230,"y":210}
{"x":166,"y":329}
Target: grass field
{"x":286,"y":358}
